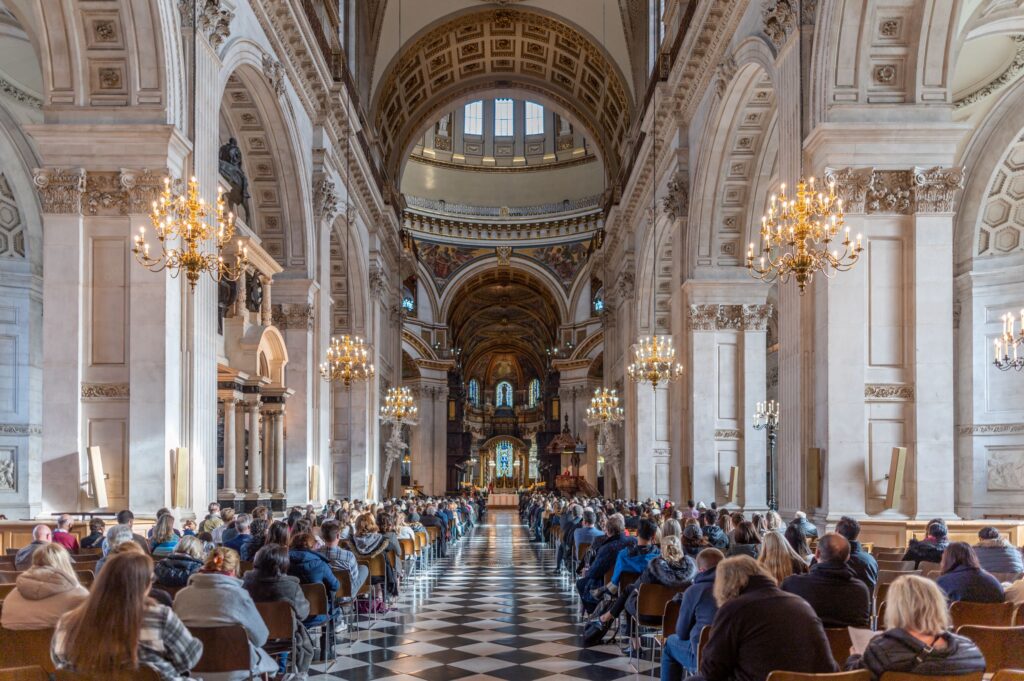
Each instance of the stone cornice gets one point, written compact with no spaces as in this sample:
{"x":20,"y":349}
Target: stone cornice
{"x":468,"y":229}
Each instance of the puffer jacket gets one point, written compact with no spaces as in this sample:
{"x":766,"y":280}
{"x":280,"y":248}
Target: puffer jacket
{"x":898,"y":651}
{"x":41,"y":596}
{"x":998,"y":555}
{"x":743,"y":550}
{"x":312,"y":568}
{"x":660,"y":571}
{"x":175,"y":569}
{"x":716,"y":537}
{"x":925,"y":550}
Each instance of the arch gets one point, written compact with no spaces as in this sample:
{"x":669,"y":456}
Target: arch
{"x":269,"y":142}
{"x":474,"y":50}
{"x":416,"y":347}
{"x":504,"y":394}
{"x":488,"y":266}
{"x":18,"y":160}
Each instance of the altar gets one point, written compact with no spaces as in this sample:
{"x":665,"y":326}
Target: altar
{"x":502,"y":500}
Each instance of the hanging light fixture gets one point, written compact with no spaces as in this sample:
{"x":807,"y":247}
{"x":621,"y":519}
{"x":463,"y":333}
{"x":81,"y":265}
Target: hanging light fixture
{"x":799,"y":235}
{"x":399,"y":407}
{"x":181,"y":220}
{"x":654,"y":358}
{"x":347,"y":361}
{"x":1007,"y":344}
{"x":604,"y":408}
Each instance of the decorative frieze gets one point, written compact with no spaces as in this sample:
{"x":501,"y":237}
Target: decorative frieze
{"x":1008,"y":75}
{"x":896,"y":192}
{"x":727,"y":434}
{"x":293,"y":316}
{"x":17,"y":94}
{"x":60,"y":189}
{"x":105,"y":391}
{"x":715,"y":317}
{"x":20,"y":429}
{"x":779,"y":19}
{"x":141,"y":188}
{"x":894,"y":392}
{"x":991,"y":429}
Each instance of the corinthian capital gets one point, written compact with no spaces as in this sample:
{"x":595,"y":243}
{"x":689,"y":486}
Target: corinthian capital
{"x":60,"y":189}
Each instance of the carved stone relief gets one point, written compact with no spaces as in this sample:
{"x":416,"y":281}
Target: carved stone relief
{"x":292,"y":316}
{"x":274,"y":72}
{"x":1006,"y":470}
{"x":8,"y":470}
{"x":715,"y":317}
{"x":325,"y":198}
{"x":898,"y":192}
{"x":779,"y":20}
{"x":104,"y":391}
{"x":888,"y":392}
{"x":60,"y":189}
{"x":676,"y":203}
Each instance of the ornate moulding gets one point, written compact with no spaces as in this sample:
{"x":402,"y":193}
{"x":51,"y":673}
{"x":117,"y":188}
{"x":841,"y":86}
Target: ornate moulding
{"x":888,"y":392}
{"x":715,"y":317}
{"x":105,"y":391}
{"x":897,"y":192}
{"x":991,"y":429}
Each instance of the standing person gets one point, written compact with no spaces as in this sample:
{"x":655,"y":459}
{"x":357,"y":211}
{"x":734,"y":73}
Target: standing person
{"x":861,"y":562}
{"x":44,"y":592}
{"x":696,"y":611}
{"x":62,"y":535}
{"x":89,"y":640}
{"x":963,"y":579}
{"x":214,"y":597}
{"x":41,"y":536}
{"x":832,"y":588}
{"x":917,"y":639}
{"x":756,"y":625}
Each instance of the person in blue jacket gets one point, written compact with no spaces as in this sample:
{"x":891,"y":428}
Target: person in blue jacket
{"x":311,"y":568}
{"x":635,"y":558}
{"x":605,"y":559}
{"x":696,"y":611}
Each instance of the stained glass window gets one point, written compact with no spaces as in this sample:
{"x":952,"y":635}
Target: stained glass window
{"x":408,"y":301}
{"x":503,"y":395}
{"x":504,"y":456}
{"x":534,"y":392}
{"x":475,"y":118}
{"x":599,"y":300}
{"x":474,"y":392}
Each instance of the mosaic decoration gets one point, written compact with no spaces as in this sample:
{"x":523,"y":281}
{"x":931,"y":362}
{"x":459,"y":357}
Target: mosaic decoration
{"x":445,"y":260}
{"x":563,"y":260}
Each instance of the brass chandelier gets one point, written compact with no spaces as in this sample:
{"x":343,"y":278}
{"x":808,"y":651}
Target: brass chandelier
{"x":654,"y":361}
{"x":399,"y":407}
{"x":604,"y":408}
{"x":347,"y":361}
{"x":180,"y":222}
{"x":1007,"y":344}
{"x":797,"y":235}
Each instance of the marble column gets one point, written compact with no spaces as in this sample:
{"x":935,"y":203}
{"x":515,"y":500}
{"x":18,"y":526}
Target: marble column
{"x":255,"y":457}
{"x":240,"y":449}
{"x":269,"y":452}
{"x":229,"y":447}
{"x":279,"y":452}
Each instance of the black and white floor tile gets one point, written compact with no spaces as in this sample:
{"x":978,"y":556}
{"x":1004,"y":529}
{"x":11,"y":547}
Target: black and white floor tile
{"x":491,"y":611}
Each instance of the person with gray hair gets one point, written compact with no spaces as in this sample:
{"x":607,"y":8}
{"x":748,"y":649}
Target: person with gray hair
{"x":614,"y":541}
{"x":41,"y":535}
{"x":243,"y":525}
{"x":116,"y":535}
{"x":586,"y":533}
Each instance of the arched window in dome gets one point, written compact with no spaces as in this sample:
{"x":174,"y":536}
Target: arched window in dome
{"x":599,"y":301}
{"x":503,"y":116}
{"x":534,"y":119}
{"x":474,"y":124}
{"x":534,"y":392}
{"x":503,"y":395}
{"x":408,"y":300}
{"x":474,"y":392}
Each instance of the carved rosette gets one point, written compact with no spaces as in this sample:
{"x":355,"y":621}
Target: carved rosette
{"x":779,"y":20}
{"x":60,"y":189}
{"x":892,"y":392}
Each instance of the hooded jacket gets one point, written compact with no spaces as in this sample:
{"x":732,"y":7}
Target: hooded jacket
{"x":696,"y":611}
{"x":175,"y":569}
{"x":634,"y":559}
{"x":606,"y":556}
{"x":835,"y":593}
{"x":927,"y":549}
{"x":964,"y":583}
{"x":674,"y":575}
{"x":716,"y":537}
{"x":998,"y":555}
{"x":312,"y":568}
{"x":898,"y":651}
{"x":42,"y":594}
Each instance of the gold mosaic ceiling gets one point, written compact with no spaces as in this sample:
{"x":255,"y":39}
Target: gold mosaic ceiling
{"x":499,"y":49}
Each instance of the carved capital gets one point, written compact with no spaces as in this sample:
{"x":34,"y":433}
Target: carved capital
{"x":715,"y":317}
{"x":292,"y":316}
{"x":625,"y":285}
{"x":141,"y":189}
{"x":676,"y":203}
{"x":897,"y":192}
{"x":755,"y":317}
{"x":779,"y":20}
{"x":274,"y":73}
{"x":935,"y":188}
{"x":852,"y":186}
{"x":60,"y":189}
{"x":703,"y":317}
{"x":724,"y":74}
{"x":378,"y":281}
{"x":214,"y":21}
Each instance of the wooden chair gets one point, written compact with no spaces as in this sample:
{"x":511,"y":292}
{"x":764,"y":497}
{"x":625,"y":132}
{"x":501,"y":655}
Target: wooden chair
{"x":902,"y":676}
{"x":27,"y":648}
{"x":1018,"y":613}
{"x":890,"y":576}
{"x":143,"y":673}
{"x":225,"y":649}
{"x":668,"y":619}
{"x":377,"y":568}
{"x":243,"y":567}
{"x":24,"y":674}
{"x":581,"y":551}
{"x":984,"y":614}
{"x":880,"y":617}
{"x":280,"y":621}
{"x":433,"y":533}
{"x":651,"y":602}
{"x":933,"y":575}
{"x":926,"y":565}
{"x":856,"y":675}
{"x":1003,"y":647}
{"x":8,"y":576}
{"x":13,"y":552}
{"x":1009,"y":675}
{"x":85,"y":577}
{"x":839,"y":641}
{"x":702,"y":641}
{"x":6,"y":589}
{"x":896,"y":565}
{"x":408,"y":548}
{"x":316,"y":594}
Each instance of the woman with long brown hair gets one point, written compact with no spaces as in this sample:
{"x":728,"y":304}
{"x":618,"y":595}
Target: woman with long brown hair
{"x":120,"y":627}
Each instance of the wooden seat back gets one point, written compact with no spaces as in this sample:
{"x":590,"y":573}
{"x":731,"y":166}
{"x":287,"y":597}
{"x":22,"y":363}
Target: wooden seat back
{"x":839,"y":641}
{"x":433,"y":533}
{"x":408,"y":548}
{"x":668,"y":619}
{"x":375,"y":564}
{"x":890,"y":576}
{"x":27,"y":648}
{"x":903,"y":676}
{"x":32,"y":673}
{"x":225,"y":649}
{"x":344,"y":584}
{"x":143,"y":673}
{"x":244,"y":566}
{"x":702,"y":641}
{"x":279,"y":618}
{"x":925,"y":565}
{"x":8,"y":576}
{"x":1006,"y":577}
{"x":1009,"y":675}
{"x":85,"y":577}
{"x":651,"y":601}
{"x":6,"y":589}
{"x":896,"y":565}
{"x":581,"y":551}
{"x":984,"y":614}
{"x":1003,"y":647}
{"x":855,"y":675}
{"x":316,"y":594}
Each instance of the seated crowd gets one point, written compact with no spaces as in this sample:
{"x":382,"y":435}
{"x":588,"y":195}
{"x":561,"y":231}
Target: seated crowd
{"x":741,"y":577}
{"x":174,"y":582}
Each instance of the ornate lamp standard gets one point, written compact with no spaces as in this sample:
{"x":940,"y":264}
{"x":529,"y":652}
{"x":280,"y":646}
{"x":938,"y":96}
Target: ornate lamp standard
{"x":767,"y":418}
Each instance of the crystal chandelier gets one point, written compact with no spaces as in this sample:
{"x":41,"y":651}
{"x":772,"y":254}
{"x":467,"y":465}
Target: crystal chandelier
{"x":399,"y":407}
{"x":180,"y":221}
{"x":797,"y":235}
{"x":604,"y":408}
{"x":1008,"y":342}
{"x":346,"y":361}
{"x":654,"y":361}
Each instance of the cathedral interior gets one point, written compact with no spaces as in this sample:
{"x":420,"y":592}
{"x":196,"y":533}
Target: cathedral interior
{"x":455,"y":245}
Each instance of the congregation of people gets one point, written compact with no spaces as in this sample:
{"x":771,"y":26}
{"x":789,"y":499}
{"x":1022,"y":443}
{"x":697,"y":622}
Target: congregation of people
{"x":176,"y":581}
{"x":737,"y":579}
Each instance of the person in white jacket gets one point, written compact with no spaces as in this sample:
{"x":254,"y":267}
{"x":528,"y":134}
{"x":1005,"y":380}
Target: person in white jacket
{"x":44,"y":592}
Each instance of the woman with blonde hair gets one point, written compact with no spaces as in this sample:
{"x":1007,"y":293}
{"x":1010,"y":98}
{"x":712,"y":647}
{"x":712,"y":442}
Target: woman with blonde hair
{"x":175,"y":570}
{"x":164,"y":539}
{"x":779,"y":558}
{"x":44,"y":592}
{"x":917,"y":639}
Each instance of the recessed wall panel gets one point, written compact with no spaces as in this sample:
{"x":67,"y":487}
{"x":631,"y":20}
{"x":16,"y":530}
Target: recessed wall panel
{"x":886,"y":282}
{"x":109,"y":302}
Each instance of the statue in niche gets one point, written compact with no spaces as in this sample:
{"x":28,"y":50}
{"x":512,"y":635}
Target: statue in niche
{"x":253,"y":293}
{"x":232,"y":171}
{"x":503,"y":398}
{"x":227,"y":292}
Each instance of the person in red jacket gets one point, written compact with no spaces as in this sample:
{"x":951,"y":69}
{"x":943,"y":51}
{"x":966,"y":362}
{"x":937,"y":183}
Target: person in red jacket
{"x":62,"y":535}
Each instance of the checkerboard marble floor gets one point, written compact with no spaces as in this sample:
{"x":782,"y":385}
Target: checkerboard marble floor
{"x":492,"y":610}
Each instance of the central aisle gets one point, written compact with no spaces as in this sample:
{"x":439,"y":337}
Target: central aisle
{"x":491,"y":610}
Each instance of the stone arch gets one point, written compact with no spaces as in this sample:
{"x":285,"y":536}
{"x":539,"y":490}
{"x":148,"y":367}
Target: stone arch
{"x":21,"y":220}
{"x":508,"y":48}
{"x":737,"y":164}
{"x":653,"y":307}
{"x":553,"y":287}
{"x":269,"y":142}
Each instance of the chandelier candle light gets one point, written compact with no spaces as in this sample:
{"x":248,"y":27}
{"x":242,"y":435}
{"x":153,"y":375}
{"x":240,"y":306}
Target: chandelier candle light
{"x":604,"y":408}
{"x":797,"y":235}
{"x":654,"y":361}
{"x":1009,"y":339}
{"x":399,"y":407}
{"x":346,"y":361}
{"x":180,"y":222}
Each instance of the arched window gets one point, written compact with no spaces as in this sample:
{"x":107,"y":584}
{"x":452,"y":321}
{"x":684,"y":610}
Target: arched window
{"x":503,"y":455}
{"x":599,"y":301}
{"x":474,"y":124}
{"x":474,"y":392}
{"x":408,"y":300}
{"x":534,"y":392}
{"x":503,"y":395}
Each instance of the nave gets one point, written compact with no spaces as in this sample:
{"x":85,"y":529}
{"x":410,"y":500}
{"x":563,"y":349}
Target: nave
{"x":490,"y":610}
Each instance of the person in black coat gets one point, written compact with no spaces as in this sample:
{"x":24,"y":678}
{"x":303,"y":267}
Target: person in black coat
{"x":832,"y":588}
{"x":759,"y":628}
{"x":861,"y":562}
{"x":931,"y":547}
{"x":615,"y":541}
{"x":963,"y":579}
{"x":568,"y":528}
{"x":175,"y":569}
{"x":917,"y":638}
{"x":430,"y":519}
